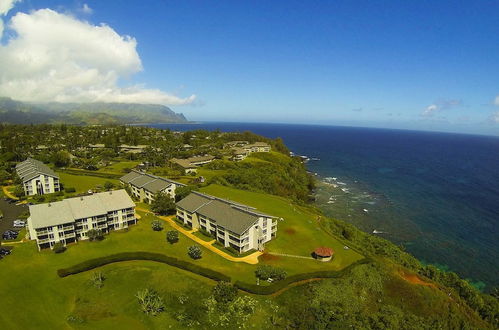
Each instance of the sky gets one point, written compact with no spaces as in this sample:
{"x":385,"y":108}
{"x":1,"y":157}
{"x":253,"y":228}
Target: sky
{"x":429,"y":65}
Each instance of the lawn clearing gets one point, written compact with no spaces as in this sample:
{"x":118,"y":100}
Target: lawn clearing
{"x":83,"y":183}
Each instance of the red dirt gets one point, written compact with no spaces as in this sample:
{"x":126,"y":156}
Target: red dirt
{"x":290,"y":231}
{"x":414,"y":279}
{"x":269,"y":257}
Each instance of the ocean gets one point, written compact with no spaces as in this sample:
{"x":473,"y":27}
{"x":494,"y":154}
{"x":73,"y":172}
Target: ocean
{"x":435,"y":194}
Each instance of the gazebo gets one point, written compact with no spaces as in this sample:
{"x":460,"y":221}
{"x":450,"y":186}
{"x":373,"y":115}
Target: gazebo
{"x":323,"y":253}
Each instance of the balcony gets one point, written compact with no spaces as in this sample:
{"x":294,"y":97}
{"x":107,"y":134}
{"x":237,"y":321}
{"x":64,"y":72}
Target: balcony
{"x":42,"y":232}
{"x":45,"y":240}
{"x":68,"y":228}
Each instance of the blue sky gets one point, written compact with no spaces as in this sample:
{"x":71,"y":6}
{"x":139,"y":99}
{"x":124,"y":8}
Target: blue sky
{"x":431,"y":65}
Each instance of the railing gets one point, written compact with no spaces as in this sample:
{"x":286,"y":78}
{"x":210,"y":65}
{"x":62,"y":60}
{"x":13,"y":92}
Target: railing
{"x":45,"y":240}
{"x":44,"y":232}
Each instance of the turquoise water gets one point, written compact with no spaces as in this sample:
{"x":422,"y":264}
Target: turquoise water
{"x":437,"y":194}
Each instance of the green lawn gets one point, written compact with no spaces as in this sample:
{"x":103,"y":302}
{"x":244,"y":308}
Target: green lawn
{"x":118,"y":167}
{"x":30,"y":285}
{"x":82,"y":183}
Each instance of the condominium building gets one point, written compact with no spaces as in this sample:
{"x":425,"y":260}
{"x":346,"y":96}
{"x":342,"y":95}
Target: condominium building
{"x":190,"y":165}
{"x":257,"y":147}
{"x":37,"y":178}
{"x":70,"y":220}
{"x":144,"y":186}
{"x":234,"y":225}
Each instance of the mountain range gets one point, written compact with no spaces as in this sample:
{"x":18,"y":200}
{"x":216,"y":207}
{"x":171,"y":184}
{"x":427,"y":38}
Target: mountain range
{"x":17,"y":112}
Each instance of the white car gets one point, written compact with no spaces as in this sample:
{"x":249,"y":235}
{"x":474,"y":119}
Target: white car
{"x":19,"y":224}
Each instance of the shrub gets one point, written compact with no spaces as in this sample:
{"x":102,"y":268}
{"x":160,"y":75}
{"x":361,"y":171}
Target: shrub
{"x":224,"y":292}
{"x":172,"y":236}
{"x":95,"y":235}
{"x":108,"y":185}
{"x":70,"y":189}
{"x":97,"y":279}
{"x":194,"y":252}
{"x":157,"y":225}
{"x":163,"y":204}
{"x":59,"y":247}
{"x":39,"y":198}
{"x":265,"y":272}
{"x":150,"y":302}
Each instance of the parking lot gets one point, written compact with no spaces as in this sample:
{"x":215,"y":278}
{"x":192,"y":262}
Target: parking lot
{"x":11,"y":212}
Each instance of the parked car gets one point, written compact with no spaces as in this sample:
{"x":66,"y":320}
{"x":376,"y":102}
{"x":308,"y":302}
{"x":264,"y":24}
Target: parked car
{"x":19,"y":223}
{"x":10,"y":234}
{"x":4,"y":252}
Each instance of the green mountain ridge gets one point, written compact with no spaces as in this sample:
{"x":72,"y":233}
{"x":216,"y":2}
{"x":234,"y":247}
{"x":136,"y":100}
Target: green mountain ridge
{"x":17,"y":112}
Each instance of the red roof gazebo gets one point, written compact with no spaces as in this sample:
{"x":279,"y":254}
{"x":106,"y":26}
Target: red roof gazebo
{"x":324,"y":253}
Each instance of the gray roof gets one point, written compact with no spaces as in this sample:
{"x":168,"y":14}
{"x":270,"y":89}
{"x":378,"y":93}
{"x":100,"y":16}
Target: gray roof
{"x":148,"y":181}
{"x":31,"y":168}
{"x":70,"y":209}
{"x":227,"y":214}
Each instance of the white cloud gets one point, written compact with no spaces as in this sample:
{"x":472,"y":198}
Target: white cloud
{"x":430,"y":110}
{"x":1,"y":28}
{"x":494,"y":118}
{"x":7,"y":5}
{"x":56,"y":57}
{"x":86,"y":9}
{"x":496,"y":101}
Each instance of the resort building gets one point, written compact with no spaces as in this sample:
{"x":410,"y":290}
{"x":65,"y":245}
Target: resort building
{"x":257,"y":147}
{"x":239,"y":154}
{"x":189,"y":165}
{"x":138,"y":149}
{"x":96,"y":146}
{"x":144,"y":186}
{"x":234,"y":225}
{"x":37,"y":178}
{"x":69,"y":220}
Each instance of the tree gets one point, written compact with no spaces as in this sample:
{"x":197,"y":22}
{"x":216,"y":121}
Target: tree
{"x":224,"y":292}
{"x":157,"y":225}
{"x":194,"y":252}
{"x":61,"y":158}
{"x":172,"y":236}
{"x":18,"y":191}
{"x":108,"y":185}
{"x":97,"y":279}
{"x":150,"y":302}
{"x":59,"y":247}
{"x":264,"y":272}
{"x":182,"y":192}
{"x":163,"y":204}
{"x":95,"y":235}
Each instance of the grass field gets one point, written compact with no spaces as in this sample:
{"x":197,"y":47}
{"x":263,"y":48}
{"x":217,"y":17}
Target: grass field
{"x":30,"y":285}
{"x":118,"y":167}
{"x":82,"y":183}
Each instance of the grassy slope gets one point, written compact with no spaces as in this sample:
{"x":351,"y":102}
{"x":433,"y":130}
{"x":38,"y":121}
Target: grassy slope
{"x":298,"y":234}
{"x":29,"y":277}
{"x":83,"y":183}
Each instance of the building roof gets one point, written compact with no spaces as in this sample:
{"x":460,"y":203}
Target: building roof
{"x":70,"y":209}
{"x":257,"y":144}
{"x":232,"y":216}
{"x":183,"y":163}
{"x":31,"y":168}
{"x":149,"y":182}
{"x":324,"y":251}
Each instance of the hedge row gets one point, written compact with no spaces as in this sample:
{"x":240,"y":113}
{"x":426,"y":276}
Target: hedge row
{"x":273,"y":288}
{"x":92,"y":173}
{"x":127,"y":256}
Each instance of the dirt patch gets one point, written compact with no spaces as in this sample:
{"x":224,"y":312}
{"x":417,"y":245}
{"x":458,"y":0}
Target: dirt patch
{"x":414,"y":279}
{"x":290,"y":231}
{"x":269,"y":257}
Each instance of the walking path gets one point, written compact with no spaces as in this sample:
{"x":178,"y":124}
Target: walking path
{"x":289,"y":255}
{"x":251,"y":259}
{"x":8,"y":193}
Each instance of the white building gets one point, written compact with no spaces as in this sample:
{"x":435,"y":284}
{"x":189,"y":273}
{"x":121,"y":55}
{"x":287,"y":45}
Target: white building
{"x":37,"y":178}
{"x":69,"y":220}
{"x":257,"y":147}
{"x":235,"y":225}
{"x":144,"y":186}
